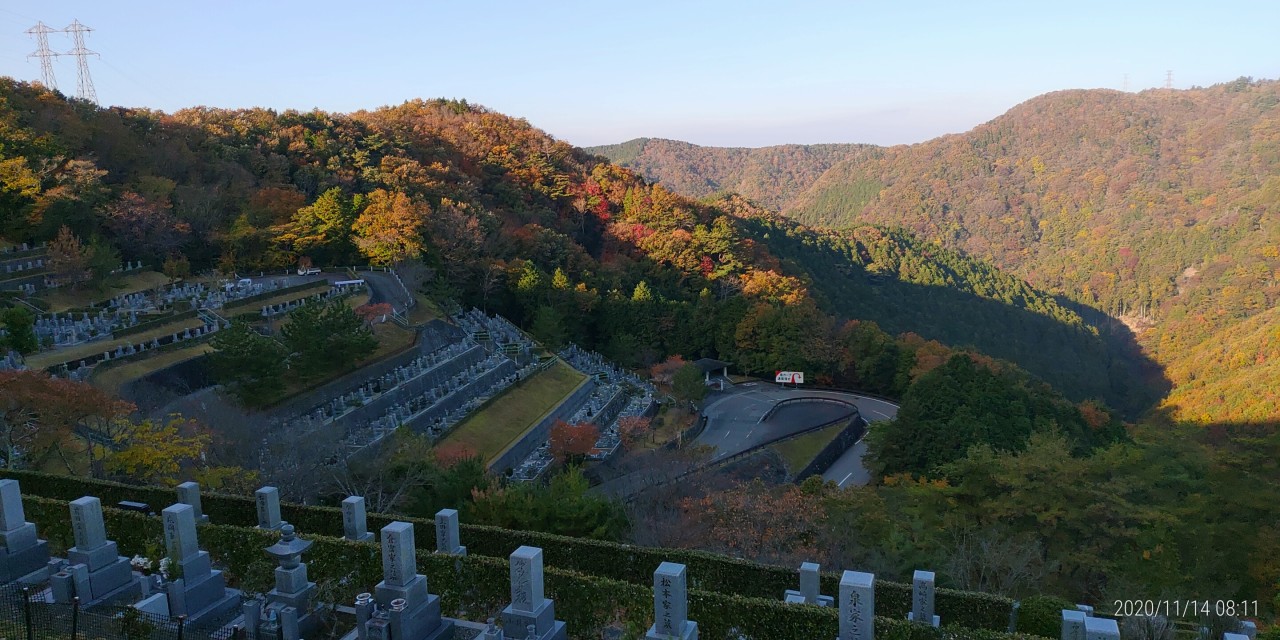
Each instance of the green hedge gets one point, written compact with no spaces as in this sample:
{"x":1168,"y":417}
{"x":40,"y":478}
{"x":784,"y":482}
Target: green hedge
{"x":607,"y":560}
{"x":267,"y":295}
{"x":475,"y":587}
{"x":154,"y":323}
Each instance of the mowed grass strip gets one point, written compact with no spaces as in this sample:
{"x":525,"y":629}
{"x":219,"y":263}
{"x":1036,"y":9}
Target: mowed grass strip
{"x":496,"y":425}
{"x":799,"y":452}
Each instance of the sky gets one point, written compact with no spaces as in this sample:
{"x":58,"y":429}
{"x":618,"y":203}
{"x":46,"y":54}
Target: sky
{"x":712,"y":72}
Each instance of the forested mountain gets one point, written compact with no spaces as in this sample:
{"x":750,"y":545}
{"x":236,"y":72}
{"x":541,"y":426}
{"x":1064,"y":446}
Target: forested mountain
{"x":771,"y":176}
{"x":574,"y":248}
{"x":512,"y":220}
{"x":1161,"y":208}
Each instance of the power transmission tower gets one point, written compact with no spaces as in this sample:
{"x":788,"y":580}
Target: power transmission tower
{"x":41,"y":32}
{"x":84,"y":88}
{"x":1168,"y":79}
{"x":1126,"y":83}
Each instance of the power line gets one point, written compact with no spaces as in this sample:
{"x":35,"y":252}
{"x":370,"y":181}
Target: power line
{"x":46,"y":55}
{"x":84,"y":89}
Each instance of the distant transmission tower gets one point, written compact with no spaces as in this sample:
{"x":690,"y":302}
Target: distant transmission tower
{"x":41,"y":32}
{"x":1168,"y":79}
{"x":1126,"y":83}
{"x":84,"y":88}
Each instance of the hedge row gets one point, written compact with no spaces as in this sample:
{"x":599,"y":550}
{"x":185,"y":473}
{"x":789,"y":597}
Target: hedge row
{"x":267,"y":295}
{"x":475,"y":587}
{"x":152,"y":324}
{"x":606,"y":560}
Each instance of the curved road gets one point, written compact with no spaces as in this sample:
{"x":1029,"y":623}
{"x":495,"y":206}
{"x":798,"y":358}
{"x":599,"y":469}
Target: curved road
{"x":733,"y":423}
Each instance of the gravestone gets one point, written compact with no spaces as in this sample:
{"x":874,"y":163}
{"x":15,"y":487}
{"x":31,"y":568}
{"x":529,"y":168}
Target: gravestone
{"x":857,"y":606}
{"x":401,"y":607}
{"x":189,"y":493}
{"x":268,"y":499}
{"x":1249,"y":629}
{"x":1101,"y":629}
{"x":810,"y":577}
{"x":23,"y":556}
{"x":287,"y":614}
{"x":353,"y":520}
{"x":1073,"y":624}
{"x":95,"y":571}
{"x":1234,"y":636}
{"x":201,"y":592}
{"x":671,"y":605}
{"x":922,"y":589}
{"x":529,"y":607}
{"x":447,"y":537}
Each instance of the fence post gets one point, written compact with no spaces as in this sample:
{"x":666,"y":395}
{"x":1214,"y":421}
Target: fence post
{"x":26,"y":612}
{"x":75,"y":616}
{"x":182,"y":623}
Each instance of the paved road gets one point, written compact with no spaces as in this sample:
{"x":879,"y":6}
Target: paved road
{"x":848,"y":470}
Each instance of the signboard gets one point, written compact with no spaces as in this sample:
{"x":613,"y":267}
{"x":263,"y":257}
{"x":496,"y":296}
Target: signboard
{"x":793,"y":377}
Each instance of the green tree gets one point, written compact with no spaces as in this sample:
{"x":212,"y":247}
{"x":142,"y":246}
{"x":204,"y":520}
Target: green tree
{"x":325,"y":337}
{"x":322,"y":229}
{"x":104,"y":259}
{"x":688,"y":384}
{"x":251,"y":365}
{"x":19,"y":325}
{"x":548,"y":327}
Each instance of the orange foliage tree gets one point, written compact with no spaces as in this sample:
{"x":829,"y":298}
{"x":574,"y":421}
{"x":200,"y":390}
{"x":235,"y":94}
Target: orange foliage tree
{"x":633,"y":429}
{"x":40,"y":416}
{"x":756,"y":522}
{"x":573,"y":441}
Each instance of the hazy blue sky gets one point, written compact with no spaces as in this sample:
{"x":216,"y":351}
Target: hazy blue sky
{"x":722,"y":72}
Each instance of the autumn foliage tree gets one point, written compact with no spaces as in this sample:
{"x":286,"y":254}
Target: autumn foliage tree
{"x":154,"y":452}
{"x":68,"y":258}
{"x":40,"y":416}
{"x":387,"y":231}
{"x":760,"y":523}
{"x":572,"y":442}
{"x":634,"y":429}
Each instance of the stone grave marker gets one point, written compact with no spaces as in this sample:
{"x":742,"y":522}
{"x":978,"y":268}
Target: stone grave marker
{"x":447,"y":537}
{"x":406,"y":610}
{"x":268,"y":499}
{"x":189,"y":493}
{"x":1073,"y":624}
{"x":810,"y":578}
{"x":95,"y":571}
{"x":1101,"y":629}
{"x":23,"y":556}
{"x":671,"y":605}
{"x":922,"y":590}
{"x":857,"y":606}
{"x":353,"y":520}
{"x":529,"y":607}
{"x":201,"y":593}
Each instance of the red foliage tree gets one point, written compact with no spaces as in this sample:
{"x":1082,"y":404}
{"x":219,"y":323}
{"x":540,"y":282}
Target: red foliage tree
{"x":633,"y":429}
{"x":573,"y":441}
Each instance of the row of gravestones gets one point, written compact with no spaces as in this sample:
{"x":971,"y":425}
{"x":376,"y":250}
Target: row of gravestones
{"x":19,"y":248}
{"x":400,"y":606}
{"x":425,"y":373}
{"x":601,"y":368}
{"x":498,"y":329}
{"x":68,"y":330}
{"x":273,"y":310}
{"x":20,"y":267}
{"x":1081,"y":624}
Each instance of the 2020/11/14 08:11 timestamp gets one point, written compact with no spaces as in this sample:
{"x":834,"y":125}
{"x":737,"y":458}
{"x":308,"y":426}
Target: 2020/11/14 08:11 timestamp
{"x":1185,"y":608}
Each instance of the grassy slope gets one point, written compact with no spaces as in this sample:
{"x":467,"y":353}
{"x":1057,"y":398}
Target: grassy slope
{"x":496,"y":425}
{"x":799,"y":452}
